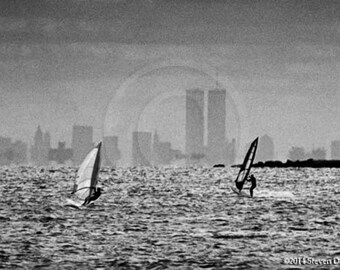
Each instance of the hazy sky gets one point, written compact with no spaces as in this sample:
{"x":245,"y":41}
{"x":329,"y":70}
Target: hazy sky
{"x":65,"y":62}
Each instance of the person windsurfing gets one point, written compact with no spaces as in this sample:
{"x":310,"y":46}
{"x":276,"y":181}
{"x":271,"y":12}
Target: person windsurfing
{"x":93,"y":196}
{"x":245,"y":168}
{"x":252,"y":179}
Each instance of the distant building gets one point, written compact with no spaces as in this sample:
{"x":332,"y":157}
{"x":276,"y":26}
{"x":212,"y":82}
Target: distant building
{"x":163,"y":153}
{"x":5,"y":150}
{"x":194,"y":126}
{"x":47,"y":145}
{"x":15,"y":153}
{"x":40,"y":147}
{"x":61,"y":154}
{"x":335,"y":150}
{"x":231,"y":152}
{"x":166,"y":153}
{"x":47,"y":139}
{"x":216,"y":147}
{"x":155,"y":150}
{"x":19,"y":149}
{"x":82,"y":142}
{"x":177,"y":154}
{"x":110,"y":153}
{"x":265,"y":150}
{"x":317,"y":153}
{"x":141,"y":148}
{"x":296,"y":153}
{"x":37,"y":148}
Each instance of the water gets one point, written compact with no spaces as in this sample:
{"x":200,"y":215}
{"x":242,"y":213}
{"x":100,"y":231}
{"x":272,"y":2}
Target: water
{"x":173,"y":218}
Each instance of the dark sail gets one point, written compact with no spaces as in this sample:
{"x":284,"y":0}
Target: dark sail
{"x":246,"y":165}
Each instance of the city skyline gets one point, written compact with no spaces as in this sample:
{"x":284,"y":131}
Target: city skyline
{"x":278,"y":61}
{"x":154,"y":152}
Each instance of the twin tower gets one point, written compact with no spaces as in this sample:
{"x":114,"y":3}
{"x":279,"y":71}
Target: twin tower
{"x":215,"y":150}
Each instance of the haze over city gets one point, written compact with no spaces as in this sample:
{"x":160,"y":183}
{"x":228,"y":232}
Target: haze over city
{"x":169,"y":134}
{"x":122,"y":66}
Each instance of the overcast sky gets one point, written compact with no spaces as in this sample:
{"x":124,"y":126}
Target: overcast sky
{"x":65,"y":62}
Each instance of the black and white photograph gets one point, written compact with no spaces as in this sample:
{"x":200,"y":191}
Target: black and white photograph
{"x":169,"y":134}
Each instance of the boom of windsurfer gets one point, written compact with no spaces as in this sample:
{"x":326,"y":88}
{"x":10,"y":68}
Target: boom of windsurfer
{"x":252,"y":179}
{"x":93,"y":196}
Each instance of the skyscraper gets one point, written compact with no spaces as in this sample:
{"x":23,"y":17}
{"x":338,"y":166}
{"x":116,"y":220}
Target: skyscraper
{"x":60,"y":154}
{"x":231,"y":152}
{"x":194,"y":126}
{"x":335,"y":150}
{"x":141,"y":148}
{"x":111,"y":153}
{"x":265,"y":149}
{"x":47,"y":145}
{"x":82,"y":142}
{"x":12,"y":152}
{"x":155,"y":150}
{"x":5,"y":147}
{"x":216,"y":148}
{"x":19,"y":152}
{"x":162,"y":151}
{"x":40,"y":147}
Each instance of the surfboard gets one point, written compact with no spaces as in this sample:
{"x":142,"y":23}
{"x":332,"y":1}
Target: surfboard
{"x":72,"y":203}
{"x":241,"y":194}
{"x":77,"y":204}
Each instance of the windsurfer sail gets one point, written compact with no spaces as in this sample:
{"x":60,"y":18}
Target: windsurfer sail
{"x":87,"y":177}
{"x":246,"y":166}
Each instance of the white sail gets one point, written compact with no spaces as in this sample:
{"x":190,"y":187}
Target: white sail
{"x":87,"y":174}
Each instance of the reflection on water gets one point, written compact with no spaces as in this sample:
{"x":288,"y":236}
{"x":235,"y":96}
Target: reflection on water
{"x":168,"y":218}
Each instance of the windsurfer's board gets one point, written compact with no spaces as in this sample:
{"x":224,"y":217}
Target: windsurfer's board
{"x":74,"y":204}
{"x":241,"y":194}
{"x":77,"y":204}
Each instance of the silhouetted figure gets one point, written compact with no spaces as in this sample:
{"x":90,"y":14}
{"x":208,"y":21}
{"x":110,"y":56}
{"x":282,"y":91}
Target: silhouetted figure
{"x":94,"y":196}
{"x":252,"y":179}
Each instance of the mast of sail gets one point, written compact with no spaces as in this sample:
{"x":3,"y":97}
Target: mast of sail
{"x":96,"y":167}
{"x":250,"y":159}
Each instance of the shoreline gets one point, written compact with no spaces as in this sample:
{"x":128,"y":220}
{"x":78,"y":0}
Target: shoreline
{"x":309,"y":163}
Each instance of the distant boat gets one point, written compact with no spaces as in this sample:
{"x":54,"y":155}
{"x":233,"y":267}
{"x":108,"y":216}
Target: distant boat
{"x":246,"y":165}
{"x":87,"y":176}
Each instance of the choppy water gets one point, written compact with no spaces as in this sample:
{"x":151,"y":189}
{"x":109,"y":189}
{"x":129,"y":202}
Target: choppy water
{"x":171,"y":218}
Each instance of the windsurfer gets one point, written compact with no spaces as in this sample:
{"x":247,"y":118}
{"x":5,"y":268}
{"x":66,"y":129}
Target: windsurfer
{"x":93,"y":196}
{"x":252,"y":179}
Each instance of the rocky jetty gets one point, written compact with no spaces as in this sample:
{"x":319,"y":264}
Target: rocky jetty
{"x":309,"y":163}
